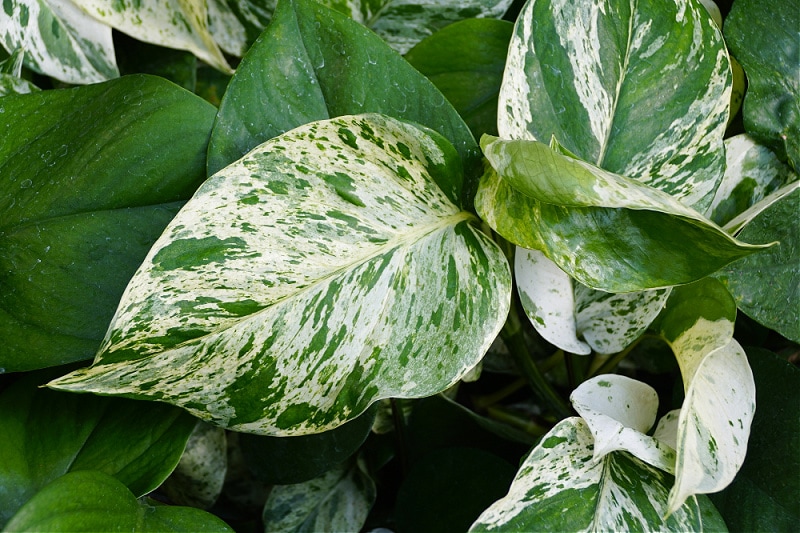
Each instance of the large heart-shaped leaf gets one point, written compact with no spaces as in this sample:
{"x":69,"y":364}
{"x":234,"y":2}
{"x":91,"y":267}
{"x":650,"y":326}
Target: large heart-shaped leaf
{"x":93,"y":501}
{"x":181,"y":24}
{"x":327,"y":269}
{"x":313,"y":63}
{"x":714,"y":422}
{"x":59,"y":40}
{"x":69,"y":255}
{"x":47,"y":434}
{"x":773,"y":302}
{"x":607,"y":231}
{"x":638,"y":89}
{"x":764,"y":39}
{"x":82,"y":199}
{"x":560,"y":487}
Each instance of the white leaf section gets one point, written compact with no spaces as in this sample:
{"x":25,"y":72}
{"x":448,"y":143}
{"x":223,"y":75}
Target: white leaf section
{"x":547,"y":297}
{"x":619,"y":412}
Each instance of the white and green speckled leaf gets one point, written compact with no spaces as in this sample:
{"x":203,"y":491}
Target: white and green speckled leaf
{"x":338,"y":500}
{"x":11,"y":81}
{"x":236,"y":24}
{"x":327,"y":269}
{"x":59,"y":40}
{"x":180,"y":24}
{"x":752,"y":172}
{"x":714,"y":422}
{"x":640,"y":89}
{"x":547,"y":297}
{"x":197,"y":480}
{"x":607,"y":231}
{"x":560,"y":487}
{"x":619,"y":412}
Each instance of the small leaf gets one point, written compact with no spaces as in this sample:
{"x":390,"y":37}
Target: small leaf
{"x":313,"y":63}
{"x":79,"y":212}
{"x":619,"y":412}
{"x":198,"y":478}
{"x":715,"y":418}
{"x":326,"y":270}
{"x":639,"y":89}
{"x":47,"y":434}
{"x":767,"y":285}
{"x":465,"y":60}
{"x":605,"y":230}
{"x":59,"y":40}
{"x":765,"y":42}
{"x":181,"y":24}
{"x":93,"y":501}
{"x":338,"y":500}
{"x":752,"y":172}
{"x":560,"y":487}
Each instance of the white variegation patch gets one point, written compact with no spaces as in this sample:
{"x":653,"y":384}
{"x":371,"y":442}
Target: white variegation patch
{"x":560,"y":487}
{"x":619,"y":412}
{"x":338,"y":500}
{"x":59,"y":40}
{"x":546,"y":295}
{"x":323,"y":271}
{"x":180,"y":24}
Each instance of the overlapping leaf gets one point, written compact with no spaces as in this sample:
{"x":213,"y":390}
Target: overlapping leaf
{"x":605,"y":230}
{"x":10,"y":75}
{"x":93,"y":501}
{"x":181,"y":24}
{"x":89,"y":177}
{"x":313,"y":63}
{"x":200,"y":474}
{"x":617,"y":493}
{"x":764,"y":39}
{"x":714,"y":422}
{"x":47,"y":434}
{"x":326,"y":270}
{"x":59,"y":40}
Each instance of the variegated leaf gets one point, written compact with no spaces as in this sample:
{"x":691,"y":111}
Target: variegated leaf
{"x":327,"y":269}
{"x":10,"y":75}
{"x":547,"y":296}
{"x":181,"y":24}
{"x":640,"y":89}
{"x":619,"y":412}
{"x":752,"y":172}
{"x":236,"y":24}
{"x":560,"y":487}
{"x":338,"y":500}
{"x":197,"y":480}
{"x":714,"y":422}
{"x":59,"y":40}
{"x":605,"y":230}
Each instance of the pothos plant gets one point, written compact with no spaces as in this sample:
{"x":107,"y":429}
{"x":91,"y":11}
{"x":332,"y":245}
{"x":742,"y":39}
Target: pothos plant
{"x":328,"y":277}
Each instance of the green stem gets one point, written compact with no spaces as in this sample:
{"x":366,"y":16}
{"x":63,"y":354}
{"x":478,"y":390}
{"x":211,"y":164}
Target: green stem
{"x":611,"y":363}
{"x":400,"y":435}
{"x":514,"y":420}
{"x":485,"y":401}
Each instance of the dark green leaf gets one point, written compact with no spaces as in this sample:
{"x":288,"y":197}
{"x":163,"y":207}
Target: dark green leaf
{"x":763,"y":37}
{"x":47,"y":434}
{"x":89,"y":177}
{"x":763,"y":497}
{"x":465,"y":60}
{"x":766,"y":286}
{"x":91,"y":501}
{"x":313,"y":63}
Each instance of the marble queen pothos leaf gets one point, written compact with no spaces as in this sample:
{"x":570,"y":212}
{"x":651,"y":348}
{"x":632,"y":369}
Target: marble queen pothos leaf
{"x":561,"y":487}
{"x":325,"y":270}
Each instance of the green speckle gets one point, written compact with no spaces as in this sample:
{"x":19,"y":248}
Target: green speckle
{"x":404,"y":150}
{"x":343,"y":185}
{"x":278,"y":187}
{"x":242,"y":308}
{"x":348,"y":137}
{"x":55,"y":28}
{"x":249,"y":200}
{"x":189,"y":253}
{"x":294,"y":415}
{"x":552,"y":442}
{"x":24,"y":16}
{"x":604,"y":384}
{"x":8,"y":7}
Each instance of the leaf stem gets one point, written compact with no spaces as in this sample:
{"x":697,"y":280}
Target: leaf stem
{"x":401,"y":439}
{"x":606,"y":366}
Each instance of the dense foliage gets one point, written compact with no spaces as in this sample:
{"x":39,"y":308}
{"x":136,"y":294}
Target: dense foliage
{"x":354,"y":265}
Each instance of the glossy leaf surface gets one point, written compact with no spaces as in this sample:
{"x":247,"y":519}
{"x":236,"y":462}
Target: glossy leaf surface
{"x":639,"y":89}
{"x":772,"y":303}
{"x":765,"y":41}
{"x":59,"y":40}
{"x":616,"y":493}
{"x":338,"y":500}
{"x":361,"y":281}
{"x":200,"y":474}
{"x":607,"y":231}
{"x":47,"y":434}
{"x":93,"y":501}
{"x":313,"y":63}
{"x":82,"y":199}
{"x":181,"y":24}
{"x":714,"y":422}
